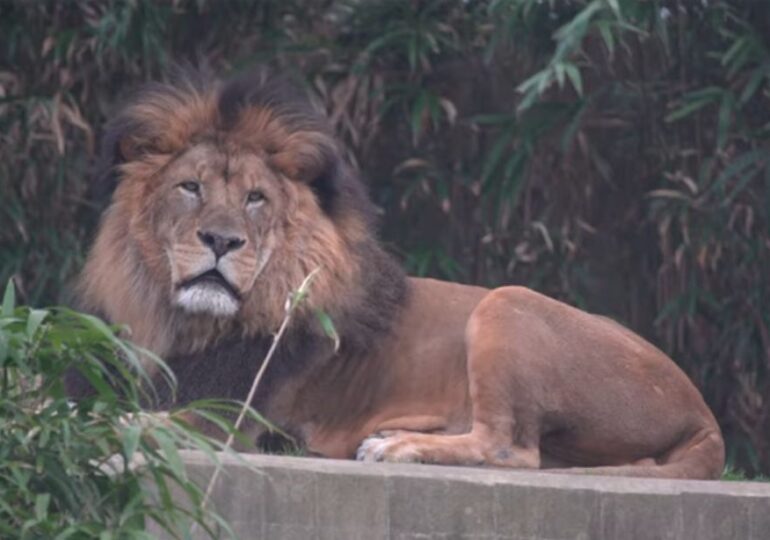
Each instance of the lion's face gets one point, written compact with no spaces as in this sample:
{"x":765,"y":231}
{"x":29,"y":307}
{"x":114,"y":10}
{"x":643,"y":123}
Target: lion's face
{"x":214,"y":213}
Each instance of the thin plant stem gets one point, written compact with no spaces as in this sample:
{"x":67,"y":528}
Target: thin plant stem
{"x":294,"y":300}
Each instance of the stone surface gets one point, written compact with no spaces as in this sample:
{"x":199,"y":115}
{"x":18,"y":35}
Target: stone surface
{"x":287,"y":498}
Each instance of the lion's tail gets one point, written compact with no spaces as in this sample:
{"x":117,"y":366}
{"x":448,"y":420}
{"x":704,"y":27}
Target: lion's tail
{"x":702,"y":456}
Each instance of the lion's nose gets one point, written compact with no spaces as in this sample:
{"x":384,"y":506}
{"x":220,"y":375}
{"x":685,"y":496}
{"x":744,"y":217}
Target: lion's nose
{"x":220,"y":244}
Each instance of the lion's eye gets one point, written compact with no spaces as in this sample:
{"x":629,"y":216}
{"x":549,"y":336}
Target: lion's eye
{"x":191,"y":186}
{"x":255,"y":197}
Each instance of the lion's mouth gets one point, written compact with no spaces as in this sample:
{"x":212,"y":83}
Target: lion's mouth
{"x":211,"y":278}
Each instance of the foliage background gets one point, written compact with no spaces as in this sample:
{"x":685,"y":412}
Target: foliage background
{"x":611,"y":153}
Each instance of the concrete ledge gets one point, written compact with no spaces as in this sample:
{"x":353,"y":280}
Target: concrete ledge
{"x":275,"y":497}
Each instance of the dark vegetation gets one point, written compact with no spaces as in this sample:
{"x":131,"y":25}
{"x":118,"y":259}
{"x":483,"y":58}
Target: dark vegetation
{"x":611,"y":153}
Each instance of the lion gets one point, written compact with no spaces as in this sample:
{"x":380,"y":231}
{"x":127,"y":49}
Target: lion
{"x":229,"y":192}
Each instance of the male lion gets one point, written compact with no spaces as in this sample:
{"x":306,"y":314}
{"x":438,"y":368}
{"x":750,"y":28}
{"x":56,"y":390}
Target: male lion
{"x":229,"y":193}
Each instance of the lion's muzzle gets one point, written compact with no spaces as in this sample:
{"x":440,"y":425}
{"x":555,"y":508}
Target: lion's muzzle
{"x":209,"y":292}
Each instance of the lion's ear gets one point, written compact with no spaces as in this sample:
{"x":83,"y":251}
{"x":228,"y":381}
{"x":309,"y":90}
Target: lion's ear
{"x":115,"y":150}
{"x":305,"y":155}
{"x":126,"y":142}
{"x":312,"y":157}
{"x":123,"y":142}
{"x":130,"y":147}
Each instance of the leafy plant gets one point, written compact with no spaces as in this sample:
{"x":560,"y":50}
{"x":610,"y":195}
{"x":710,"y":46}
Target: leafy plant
{"x":95,"y":468}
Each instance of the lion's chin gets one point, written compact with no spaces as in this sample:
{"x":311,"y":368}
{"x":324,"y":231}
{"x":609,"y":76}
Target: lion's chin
{"x":207,"y":298}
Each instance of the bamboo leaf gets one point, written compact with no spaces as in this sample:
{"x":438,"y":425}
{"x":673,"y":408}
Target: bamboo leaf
{"x":694,"y":102}
{"x":605,"y":30}
{"x":738,"y":166}
{"x":9,"y":299}
{"x":559,"y":69}
{"x":170,"y":452}
{"x":725,"y":117}
{"x":494,"y":156}
{"x":130,"y":437}
{"x":34,"y":320}
{"x":42,"y":501}
{"x":575,"y":78}
{"x":754,"y":82}
{"x":615,"y":8}
{"x":328,"y":327}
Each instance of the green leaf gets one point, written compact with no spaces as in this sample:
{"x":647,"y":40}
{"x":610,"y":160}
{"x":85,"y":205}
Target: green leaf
{"x":572,"y":32}
{"x":203,"y":407}
{"x":739,"y":166}
{"x":418,"y":110}
{"x":574,"y":76}
{"x":493,"y":157}
{"x":412,"y":50}
{"x":531,"y":83}
{"x":170,"y":453}
{"x":737,"y":46}
{"x":740,"y":185}
{"x":754,"y":82}
{"x":688,"y":109}
{"x":574,"y":123}
{"x":299,"y":296}
{"x":9,"y":299}
{"x":93,"y":376}
{"x":328,"y":327}
{"x":42,"y":500}
{"x":559,"y":69}
{"x":34,"y":320}
{"x":130,"y":438}
{"x":529,"y":99}
{"x":616,"y":8}
{"x":102,"y":328}
{"x":724,"y":118}
{"x":546,"y":81}
{"x":606,"y":32}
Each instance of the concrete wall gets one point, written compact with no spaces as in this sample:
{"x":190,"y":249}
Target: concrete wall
{"x":273,"y":497}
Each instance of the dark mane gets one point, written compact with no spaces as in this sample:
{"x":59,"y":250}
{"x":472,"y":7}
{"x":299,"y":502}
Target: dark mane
{"x":334,"y":185}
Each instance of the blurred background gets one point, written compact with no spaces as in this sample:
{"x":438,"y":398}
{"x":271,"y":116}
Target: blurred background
{"x":614,"y":154}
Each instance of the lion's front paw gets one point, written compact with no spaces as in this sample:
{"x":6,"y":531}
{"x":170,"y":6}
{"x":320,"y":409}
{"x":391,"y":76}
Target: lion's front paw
{"x":396,"y":448}
{"x":372,"y":448}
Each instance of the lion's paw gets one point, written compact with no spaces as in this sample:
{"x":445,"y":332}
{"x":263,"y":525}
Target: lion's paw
{"x":392,"y":449}
{"x":370,"y":450}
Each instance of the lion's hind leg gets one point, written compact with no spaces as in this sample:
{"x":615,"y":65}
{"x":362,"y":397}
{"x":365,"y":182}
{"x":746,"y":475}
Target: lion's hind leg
{"x":505,"y":428}
{"x":699,"y":456}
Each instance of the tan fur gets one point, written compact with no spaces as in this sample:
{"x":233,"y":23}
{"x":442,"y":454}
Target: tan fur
{"x":550,"y":386}
{"x":456,"y":374}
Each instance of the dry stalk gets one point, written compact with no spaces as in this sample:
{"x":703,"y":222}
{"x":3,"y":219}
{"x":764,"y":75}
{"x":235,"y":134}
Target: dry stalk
{"x":292,"y":303}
